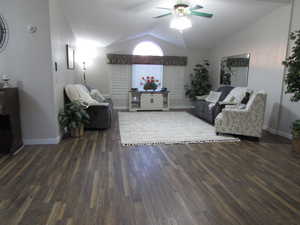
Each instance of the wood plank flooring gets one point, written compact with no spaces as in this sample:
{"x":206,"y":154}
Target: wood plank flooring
{"x":95,"y":181}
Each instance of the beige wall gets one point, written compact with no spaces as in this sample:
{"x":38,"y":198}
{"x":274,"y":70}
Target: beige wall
{"x":28,"y":59}
{"x":266,"y":41}
{"x":61,"y":34}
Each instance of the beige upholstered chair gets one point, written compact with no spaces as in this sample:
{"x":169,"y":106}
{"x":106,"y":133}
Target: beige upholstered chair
{"x":247,"y":122}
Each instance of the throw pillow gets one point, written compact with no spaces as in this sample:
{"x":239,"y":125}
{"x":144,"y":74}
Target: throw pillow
{"x":97,"y":95}
{"x":246,"y":98}
{"x":213,"y":97}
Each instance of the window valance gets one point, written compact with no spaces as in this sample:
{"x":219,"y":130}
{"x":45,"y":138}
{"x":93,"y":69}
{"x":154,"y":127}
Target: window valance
{"x":155,"y":60}
{"x":238,"y":62}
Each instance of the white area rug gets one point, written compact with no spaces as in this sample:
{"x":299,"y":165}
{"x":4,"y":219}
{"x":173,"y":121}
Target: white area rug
{"x":147,"y":128}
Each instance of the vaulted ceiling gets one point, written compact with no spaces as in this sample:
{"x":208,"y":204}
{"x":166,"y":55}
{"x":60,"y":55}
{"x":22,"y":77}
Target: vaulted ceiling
{"x":110,"y":21}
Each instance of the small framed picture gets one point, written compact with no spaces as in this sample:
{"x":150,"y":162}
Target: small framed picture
{"x":70,"y":57}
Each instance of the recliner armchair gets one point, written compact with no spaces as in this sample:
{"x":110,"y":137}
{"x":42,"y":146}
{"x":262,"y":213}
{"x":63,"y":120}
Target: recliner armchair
{"x":246,"y":122}
{"x":100,"y":115}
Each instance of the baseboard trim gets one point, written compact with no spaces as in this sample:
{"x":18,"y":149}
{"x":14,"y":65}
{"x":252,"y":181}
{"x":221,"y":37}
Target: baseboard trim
{"x":285,"y":134}
{"x":183,"y":107}
{"x":172,"y":107}
{"x":42,"y":141}
{"x":279,"y":132}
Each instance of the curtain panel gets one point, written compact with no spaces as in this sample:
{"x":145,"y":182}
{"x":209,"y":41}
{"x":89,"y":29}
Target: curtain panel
{"x":154,"y":60}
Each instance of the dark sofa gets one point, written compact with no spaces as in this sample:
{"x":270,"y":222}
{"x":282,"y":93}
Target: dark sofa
{"x":100,"y":116}
{"x":203,"y":111}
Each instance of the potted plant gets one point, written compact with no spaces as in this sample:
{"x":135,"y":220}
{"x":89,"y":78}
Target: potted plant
{"x":73,"y":119}
{"x":199,"y":81}
{"x":293,"y":83}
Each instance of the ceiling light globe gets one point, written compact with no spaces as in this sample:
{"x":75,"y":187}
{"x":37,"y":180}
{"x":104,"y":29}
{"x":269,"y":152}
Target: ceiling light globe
{"x":181,"y":23}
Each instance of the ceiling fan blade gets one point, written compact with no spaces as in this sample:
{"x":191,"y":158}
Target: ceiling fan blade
{"x":157,"y":17}
{"x":196,"y":7}
{"x":143,"y":5}
{"x":169,"y":9}
{"x":207,"y":15}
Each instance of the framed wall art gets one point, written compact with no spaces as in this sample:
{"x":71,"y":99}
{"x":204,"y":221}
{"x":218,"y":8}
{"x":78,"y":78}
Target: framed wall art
{"x":70,"y":57}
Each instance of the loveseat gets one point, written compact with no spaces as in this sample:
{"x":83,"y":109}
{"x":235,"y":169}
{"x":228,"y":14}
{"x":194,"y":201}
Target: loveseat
{"x":208,"y":111}
{"x":99,"y":110}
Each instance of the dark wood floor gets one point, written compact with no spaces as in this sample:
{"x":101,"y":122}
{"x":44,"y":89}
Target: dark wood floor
{"x":95,"y":181}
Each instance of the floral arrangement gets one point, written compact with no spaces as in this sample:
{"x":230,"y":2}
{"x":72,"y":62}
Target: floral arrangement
{"x":150,"y":83}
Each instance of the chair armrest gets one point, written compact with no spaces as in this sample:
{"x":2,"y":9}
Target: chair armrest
{"x":226,"y":103}
{"x":202,"y":97}
{"x":98,"y":107}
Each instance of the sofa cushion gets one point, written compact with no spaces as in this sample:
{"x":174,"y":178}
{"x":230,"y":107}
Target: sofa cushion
{"x":236,"y":95}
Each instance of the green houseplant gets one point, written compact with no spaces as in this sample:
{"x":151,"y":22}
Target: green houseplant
{"x":199,"y":81}
{"x":296,"y":128}
{"x":73,"y":118}
{"x":293,"y":83}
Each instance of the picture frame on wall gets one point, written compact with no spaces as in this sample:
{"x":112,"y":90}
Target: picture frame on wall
{"x":70,"y":57}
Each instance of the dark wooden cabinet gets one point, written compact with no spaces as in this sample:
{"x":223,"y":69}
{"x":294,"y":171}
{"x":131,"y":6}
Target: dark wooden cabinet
{"x":10,"y":123}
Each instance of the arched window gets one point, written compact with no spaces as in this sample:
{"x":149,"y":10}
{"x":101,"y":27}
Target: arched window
{"x":147,"y":48}
{"x":141,"y":73}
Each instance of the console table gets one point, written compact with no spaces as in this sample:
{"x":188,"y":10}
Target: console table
{"x":148,"y":100}
{"x":10,"y":123}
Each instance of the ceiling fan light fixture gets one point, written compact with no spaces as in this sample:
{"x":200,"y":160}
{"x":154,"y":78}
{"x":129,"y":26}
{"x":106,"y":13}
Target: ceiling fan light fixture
{"x":181,"y":23}
{"x":181,"y":11}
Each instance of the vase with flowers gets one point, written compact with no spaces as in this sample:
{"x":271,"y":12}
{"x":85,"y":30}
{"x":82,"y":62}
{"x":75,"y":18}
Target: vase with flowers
{"x":149,"y":83}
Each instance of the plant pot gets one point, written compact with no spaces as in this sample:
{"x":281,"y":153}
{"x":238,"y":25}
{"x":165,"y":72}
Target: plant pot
{"x":296,"y":145}
{"x":77,"y":132}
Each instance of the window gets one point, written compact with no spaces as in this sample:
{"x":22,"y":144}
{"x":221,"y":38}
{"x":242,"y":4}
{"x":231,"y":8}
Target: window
{"x":141,"y":73}
{"x":148,"y":48}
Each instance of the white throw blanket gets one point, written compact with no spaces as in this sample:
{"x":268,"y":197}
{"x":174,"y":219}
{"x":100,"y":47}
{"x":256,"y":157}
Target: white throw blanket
{"x":78,"y":92}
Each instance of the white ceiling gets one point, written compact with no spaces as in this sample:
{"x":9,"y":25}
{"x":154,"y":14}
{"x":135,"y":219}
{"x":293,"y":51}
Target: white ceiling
{"x":108,"y":21}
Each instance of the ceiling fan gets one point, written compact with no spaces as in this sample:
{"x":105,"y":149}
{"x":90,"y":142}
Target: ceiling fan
{"x":182,"y":9}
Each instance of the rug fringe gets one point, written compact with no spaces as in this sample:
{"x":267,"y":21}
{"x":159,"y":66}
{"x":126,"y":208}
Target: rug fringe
{"x":181,"y":142}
